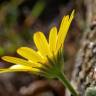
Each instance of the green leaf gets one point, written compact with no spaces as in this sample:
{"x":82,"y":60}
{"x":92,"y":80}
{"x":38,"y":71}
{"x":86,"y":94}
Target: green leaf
{"x":1,"y":51}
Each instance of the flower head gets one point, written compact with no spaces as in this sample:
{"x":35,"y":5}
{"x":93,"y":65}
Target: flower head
{"x":48,"y":59}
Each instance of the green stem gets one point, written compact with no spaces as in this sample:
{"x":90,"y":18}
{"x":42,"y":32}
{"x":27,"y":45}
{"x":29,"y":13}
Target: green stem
{"x":67,"y":84}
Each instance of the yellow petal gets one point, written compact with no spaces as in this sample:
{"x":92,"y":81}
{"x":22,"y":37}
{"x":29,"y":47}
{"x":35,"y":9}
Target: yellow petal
{"x":63,"y":30}
{"x":20,"y":67}
{"x":4,"y":70}
{"x":36,"y":65}
{"x":26,"y":68}
{"x":72,"y":16}
{"x":42,"y":44}
{"x":44,"y":57}
{"x":17,"y":61}
{"x":53,"y":39}
{"x":30,"y":54}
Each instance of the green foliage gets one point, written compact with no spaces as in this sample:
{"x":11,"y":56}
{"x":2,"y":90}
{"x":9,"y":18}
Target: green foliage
{"x":91,"y":91}
{"x":1,"y":51}
{"x":12,"y":34}
{"x":38,"y":8}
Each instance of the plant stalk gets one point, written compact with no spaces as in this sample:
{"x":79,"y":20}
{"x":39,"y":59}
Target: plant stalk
{"x":67,"y":84}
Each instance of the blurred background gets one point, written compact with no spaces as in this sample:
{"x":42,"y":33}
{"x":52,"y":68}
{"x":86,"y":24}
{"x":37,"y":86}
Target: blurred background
{"x":19,"y":19}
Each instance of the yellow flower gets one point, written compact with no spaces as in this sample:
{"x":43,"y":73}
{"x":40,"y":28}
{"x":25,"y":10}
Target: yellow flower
{"x":48,"y":57}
